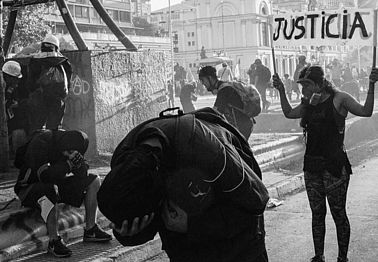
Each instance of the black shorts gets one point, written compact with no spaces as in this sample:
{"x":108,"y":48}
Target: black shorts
{"x":71,"y":192}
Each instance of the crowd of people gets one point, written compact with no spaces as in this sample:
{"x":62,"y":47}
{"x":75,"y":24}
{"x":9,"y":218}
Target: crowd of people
{"x":190,"y":176}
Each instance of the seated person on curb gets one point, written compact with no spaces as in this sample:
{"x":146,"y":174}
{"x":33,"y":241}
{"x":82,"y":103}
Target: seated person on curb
{"x":205,"y":198}
{"x":52,"y":171}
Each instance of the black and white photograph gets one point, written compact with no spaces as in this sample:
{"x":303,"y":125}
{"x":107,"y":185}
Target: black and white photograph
{"x":188,"y":131}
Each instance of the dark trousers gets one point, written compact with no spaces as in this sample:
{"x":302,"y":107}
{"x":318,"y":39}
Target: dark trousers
{"x":47,"y":112}
{"x":262,"y":258}
{"x":322,"y":186}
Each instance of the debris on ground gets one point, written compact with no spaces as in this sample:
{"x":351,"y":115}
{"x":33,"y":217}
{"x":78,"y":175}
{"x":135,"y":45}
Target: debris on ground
{"x":273,"y":202}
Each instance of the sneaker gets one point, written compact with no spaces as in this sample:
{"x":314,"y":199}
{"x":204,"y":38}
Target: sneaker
{"x":58,"y":248}
{"x":96,"y":234}
{"x":318,"y":259}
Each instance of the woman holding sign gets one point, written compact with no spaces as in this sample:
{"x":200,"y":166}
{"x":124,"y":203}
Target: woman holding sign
{"x":326,"y":166}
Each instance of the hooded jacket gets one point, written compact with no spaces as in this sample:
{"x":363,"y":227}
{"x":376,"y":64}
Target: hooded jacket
{"x":44,"y":161}
{"x":223,"y":201}
{"x":45,"y":60}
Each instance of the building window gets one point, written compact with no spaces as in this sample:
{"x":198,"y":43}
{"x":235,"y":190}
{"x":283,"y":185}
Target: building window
{"x":81,"y":12}
{"x":189,"y":43}
{"x":193,"y":43}
{"x":190,"y":64}
{"x":265,"y":34}
{"x":188,"y":34}
{"x":71,"y":8}
{"x":192,"y":33}
{"x":94,"y":14}
{"x":124,"y":16}
{"x":115,"y":15}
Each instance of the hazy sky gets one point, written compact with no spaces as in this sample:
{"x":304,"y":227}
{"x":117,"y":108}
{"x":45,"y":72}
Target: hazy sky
{"x":157,"y":4}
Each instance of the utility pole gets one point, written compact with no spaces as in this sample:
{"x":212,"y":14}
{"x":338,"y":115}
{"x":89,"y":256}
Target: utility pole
{"x":4,"y":146}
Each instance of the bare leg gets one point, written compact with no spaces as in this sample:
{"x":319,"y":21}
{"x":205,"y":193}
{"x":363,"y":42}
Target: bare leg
{"x":90,"y":203}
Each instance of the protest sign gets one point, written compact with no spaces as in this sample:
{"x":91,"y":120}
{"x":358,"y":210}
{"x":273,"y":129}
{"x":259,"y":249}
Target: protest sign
{"x":355,"y":27}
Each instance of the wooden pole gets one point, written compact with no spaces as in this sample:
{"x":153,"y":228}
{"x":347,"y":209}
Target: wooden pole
{"x":9,"y":31}
{"x":171,"y":43}
{"x":271,"y":43}
{"x":71,"y":26}
{"x":4,"y":145}
{"x":113,"y":26}
{"x":375,"y":39}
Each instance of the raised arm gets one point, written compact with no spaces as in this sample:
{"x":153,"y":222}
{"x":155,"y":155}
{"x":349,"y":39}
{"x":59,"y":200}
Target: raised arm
{"x":287,"y":109}
{"x":349,"y":104}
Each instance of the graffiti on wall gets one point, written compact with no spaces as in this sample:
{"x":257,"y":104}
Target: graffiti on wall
{"x":79,"y":104}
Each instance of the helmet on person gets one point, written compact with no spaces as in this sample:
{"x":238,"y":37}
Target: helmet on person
{"x":12,"y":68}
{"x":51,"y":40}
{"x":207,"y":71}
{"x":224,"y":64}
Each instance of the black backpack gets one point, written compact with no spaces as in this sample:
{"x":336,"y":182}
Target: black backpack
{"x":53,"y":81}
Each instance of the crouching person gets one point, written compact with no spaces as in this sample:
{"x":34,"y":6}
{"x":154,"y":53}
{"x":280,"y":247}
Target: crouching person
{"x":52,"y":171}
{"x":192,"y":178}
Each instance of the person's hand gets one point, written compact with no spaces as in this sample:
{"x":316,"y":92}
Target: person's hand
{"x":136,"y":227}
{"x":277,"y":83}
{"x":75,"y":159}
{"x":373,"y":78}
{"x":175,"y":219}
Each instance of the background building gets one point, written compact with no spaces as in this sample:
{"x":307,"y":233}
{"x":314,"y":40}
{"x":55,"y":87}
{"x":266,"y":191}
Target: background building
{"x":290,"y":5}
{"x":235,"y":28}
{"x":95,"y":32}
{"x":141,"y":8}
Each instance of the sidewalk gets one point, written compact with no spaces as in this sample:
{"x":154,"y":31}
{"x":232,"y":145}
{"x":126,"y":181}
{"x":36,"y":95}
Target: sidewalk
{"x":23,"y":232}
{"x":279,"y":155}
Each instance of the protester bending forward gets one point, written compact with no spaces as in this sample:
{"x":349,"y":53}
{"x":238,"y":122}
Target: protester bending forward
{"x":327,"y":169}
{"x":193,"y":179}
{"x":52,"y":171}
{"x":229,"y":101}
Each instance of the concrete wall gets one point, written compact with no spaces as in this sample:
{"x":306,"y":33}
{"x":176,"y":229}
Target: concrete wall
{"x":80,"y":107}
{"x":128,"y":88}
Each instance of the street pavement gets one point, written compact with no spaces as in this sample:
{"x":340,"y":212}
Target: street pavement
{"x":288,"y":226}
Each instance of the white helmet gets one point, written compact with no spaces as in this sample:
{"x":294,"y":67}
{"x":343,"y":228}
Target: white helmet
{"x":52,"y":40}
{"x":12,"y":68}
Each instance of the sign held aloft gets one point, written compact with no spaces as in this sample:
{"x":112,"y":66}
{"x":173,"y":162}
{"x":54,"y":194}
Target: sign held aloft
{"x":338,"y":27}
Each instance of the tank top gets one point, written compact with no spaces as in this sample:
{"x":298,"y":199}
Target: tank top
{"x":325,"y":130}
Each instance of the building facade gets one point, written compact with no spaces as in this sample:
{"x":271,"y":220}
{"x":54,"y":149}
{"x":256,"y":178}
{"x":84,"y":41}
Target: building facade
{"x":239,"y":29}
{"x":141,"y":8}
{"x":95,"y":32}
{"x":290,"y":5}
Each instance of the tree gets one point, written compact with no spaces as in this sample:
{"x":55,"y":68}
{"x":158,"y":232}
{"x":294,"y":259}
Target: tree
{"x":147,"y":28}
{"x":31,"y":25}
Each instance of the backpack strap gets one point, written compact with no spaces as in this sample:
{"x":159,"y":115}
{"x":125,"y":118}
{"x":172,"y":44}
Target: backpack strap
{"x":185,"y":126}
